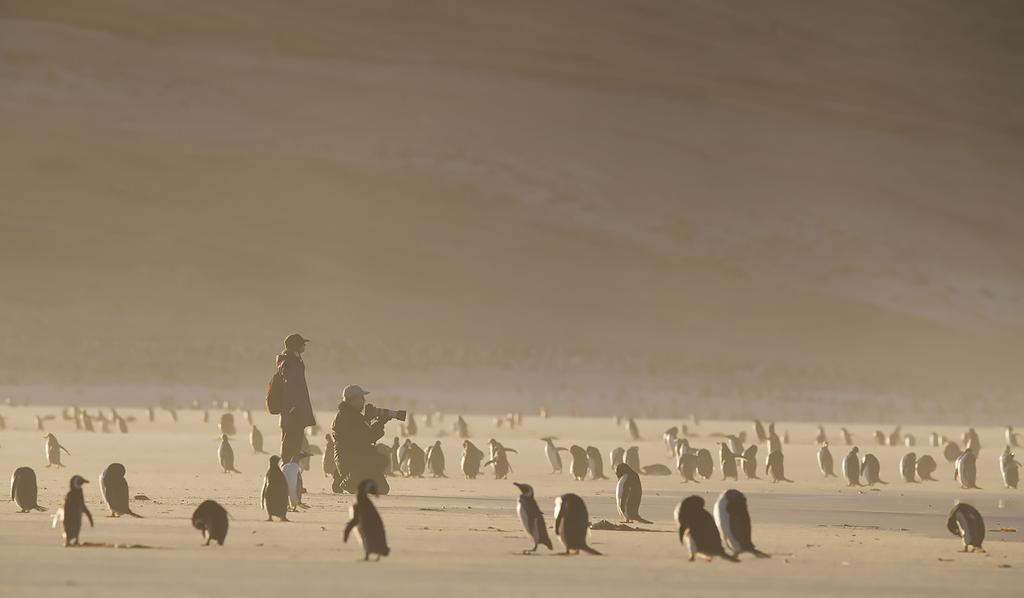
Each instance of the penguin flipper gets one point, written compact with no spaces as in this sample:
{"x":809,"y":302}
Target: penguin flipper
{"x":590,"y":550}
{"x":508,"y":450}
{"x":759,"y":554}
{"x":64,"y":449}
{"x":85,"y":510}
{"x":348,"y":528}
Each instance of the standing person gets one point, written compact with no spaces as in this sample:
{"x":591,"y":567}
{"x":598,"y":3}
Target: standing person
{"x":355,"y":436}
{"x":297,"y":413}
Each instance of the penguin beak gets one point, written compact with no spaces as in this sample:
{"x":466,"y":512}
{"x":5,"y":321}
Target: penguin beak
{"x":85,"y":481}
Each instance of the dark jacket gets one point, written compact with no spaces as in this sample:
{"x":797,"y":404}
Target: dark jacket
{"x":298,"y":411}
{"x":354,"y":452}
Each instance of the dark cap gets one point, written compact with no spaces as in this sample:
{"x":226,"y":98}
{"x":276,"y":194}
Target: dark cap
{"x":294,"y":340}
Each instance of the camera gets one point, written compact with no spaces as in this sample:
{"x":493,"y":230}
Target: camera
{"x":378,"y":412}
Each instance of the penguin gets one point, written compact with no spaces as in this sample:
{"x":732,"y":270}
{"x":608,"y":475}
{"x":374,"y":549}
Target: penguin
{"x":472,"y":457}
{"x":908,"y":467}
{"x":212,"y":520}
{"x":909,"y":441}
{"x":410,"y":428}
{"x":40,"y":419}
{"x":114,"y":490}
{"x":880,"y":438}
{"x":461,"y":428}
{"x":933,"y":440}
{"x":735,"y":443}
{"x":847,"y":437}
{"x":415,"y":461}
{"x":669,"y":437}
{"x":292,"y":471}
{"x":256,"y":440}
{"x":572,"y":522}
{"x":122,"y":424}
{"x":971,"y":441}
{"x":329,"y":465}
{"x":403,"y":452}
{"x":655,"y":469}
{"x":617,"y":456}
{"x":759,"y":431}
{"x":749,"y":462}
{"x":733,"y":521}
{"x":70,"y":515}
{"x":552,"y":453}
{"x":53,"y":449}
{"x":87,"y":422}
{"x":965,"y":470}
{"x":774,"y":468}
{"x":580,"y":463}
{"x":206,"y":416}
{"x":367,"y":522}
{"x":435,"y":460}
{"x":274,"y":497}
{"x":894,"y":437}
{"x":595,"y":464}
{"x":851,"y":467}
{"x":25,"y":490}
{"x":227,"y":424}
{"x":628,"y":493}
{"x":308,"y":451}
{"x":633,"y":457}
{"x":728,"y":461}
{"x":951,"y":451}
{"x":825,"y":461}
{"x":965,"y":521}
{"x":501,"y":465}
{"x":870,"y":469}
{"x":821,"y":438}
{"x":686,"y":463}
{"x":774,"y":444}
{"x":698,"y":532}
{"x":634,"y":432}
{"x":496,"y":447}
{"x":532,"y":517}
{"x":1010,"y":468}
{"x":1012,"y":438}
{"x":925,"y":468}
{"x":395,"y":461}
{"x":151,"y":414}
{"x":226,"y":455}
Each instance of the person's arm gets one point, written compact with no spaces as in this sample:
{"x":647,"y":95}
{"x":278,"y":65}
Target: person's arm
{"x":376,"y":431}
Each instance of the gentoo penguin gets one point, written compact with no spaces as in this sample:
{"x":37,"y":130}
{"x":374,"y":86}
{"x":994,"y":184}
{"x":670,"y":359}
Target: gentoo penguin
{"x":410,"y":428}
{"x":965,"y":521}
{"x":925,"y":468}
{"x":580,"y":463}
{"x":870,"y":469}
{"x":759,"y":431}
{"x":472,"y":457}
{"x":909,"y":441}
{"x":532,"y":517}
{"x":821,"y":438}
{"x":774,"y":443}
{"x":825,"y":461}
{"x":114,"y":489}
{"x":775,"y":469}
{"x":880,"y":438}
{"x":308,"y":450}
{"x":595,"y":464}
{"x":24,"y":490}
{"x":500,"y":462}
{"x":226,"y":455}
{"x":735,"y":443}
{"x":669,"y":437}
{"x":633,"y":457}
{"x":415,"y":461}
{"x":395,"y":460}
{"x":686,"y":463}
{"x":256,"y":440}
{"x":292,"y":471}
{"x":933,"y":439}
{"x":43,"y":418}
{"x":206,"y":416}
{"x":705,"y":463}
{"x":122,"y":424}
{"x":71,"y":513}
{"x":847,"y":437}
{"x":212,"y":520}
{"x":403,"y":453}
{"x":628,"y":493}
{"x":461,"y":428}
{"x":617,"y":456}
{"x":227,"y":424}
{"x":951,"y":451}
{"x":151,"y":414}
{"x":53,"y":449}
{"x":551,"y":451}
{"x":330,"y":466}
{"x":851,"y":467}
{"x":965,"y":470}
{"x":367,"y":522}
{"x":697,"y":530}
{"x":274,"y":497}
{"x":1012,"y":438}
{"x":971,"y":441}
{"x":908,"y":467}
{"x":1010,"y":467}
{"x":634,"y":432}
{"x":435,"y":460}
{"x":894,"y":437}
{"x":733,"y":521}
{"x":572,"y":522}
{"x":728,"y":461}
{"x":749,"y":462}
{"x":86,"y":422}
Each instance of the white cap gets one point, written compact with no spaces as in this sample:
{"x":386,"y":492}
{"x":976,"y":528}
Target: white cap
{"x":353,"y":391}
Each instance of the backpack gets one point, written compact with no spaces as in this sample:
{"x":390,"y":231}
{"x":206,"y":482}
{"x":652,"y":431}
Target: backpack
{"x":276,"y":394}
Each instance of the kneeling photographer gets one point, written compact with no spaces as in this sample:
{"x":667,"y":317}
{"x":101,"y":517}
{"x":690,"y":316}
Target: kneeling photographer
{"x":357,"y":428}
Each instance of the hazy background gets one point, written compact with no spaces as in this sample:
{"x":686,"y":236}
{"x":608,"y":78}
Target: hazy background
{"x":812,"y":208}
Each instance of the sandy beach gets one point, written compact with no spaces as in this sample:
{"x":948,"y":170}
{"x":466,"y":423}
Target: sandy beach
{"x":462,"y":537}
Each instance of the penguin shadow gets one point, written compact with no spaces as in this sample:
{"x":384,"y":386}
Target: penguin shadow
{"x":117,"y":546}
